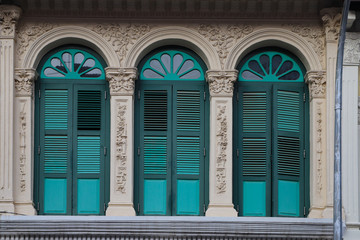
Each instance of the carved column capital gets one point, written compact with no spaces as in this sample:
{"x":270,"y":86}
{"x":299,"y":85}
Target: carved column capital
{"x":121,"y":81}
{"x":352,"y":48}
{"x":331,"y":18}
{"x":9,"y":15}
{"x":317,"y":83}
{"x":24,"y":79}
{"x":221,"y":83}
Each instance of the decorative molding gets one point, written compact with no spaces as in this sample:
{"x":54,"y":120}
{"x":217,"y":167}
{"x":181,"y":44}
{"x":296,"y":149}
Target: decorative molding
{"x":331,"y":18}
{"x":352,"y":48}
{"x":222,"y":142}
{"x":221,"y":83}
{"x":121,"y":146}
{"x":121,"y":80}
{"x":24,"y":79}
{"x":9,"y":15}
{"x":121,"y":37}
{"x":317,"y":83}
{"x":224,"y":37}
{"x":318,"y":122}
{"x":22,"y":158}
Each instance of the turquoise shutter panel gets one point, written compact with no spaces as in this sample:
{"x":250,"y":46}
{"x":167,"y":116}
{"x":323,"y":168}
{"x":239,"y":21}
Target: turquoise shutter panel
{"x":188,"y":148}
{"x":155,"y":125}
{"x":55,"y":178}
{"x":254,"y":149}
{"x":89,"y":159}
{"x":289,"y":126}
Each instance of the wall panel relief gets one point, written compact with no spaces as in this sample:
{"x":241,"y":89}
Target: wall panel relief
{"x":121,"y":147}
{"x":222,"y":145}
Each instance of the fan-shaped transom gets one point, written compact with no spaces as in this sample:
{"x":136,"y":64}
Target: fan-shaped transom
{"x":72,"y":64}
{"x":172,"y":65}
{"x":271,"y":66}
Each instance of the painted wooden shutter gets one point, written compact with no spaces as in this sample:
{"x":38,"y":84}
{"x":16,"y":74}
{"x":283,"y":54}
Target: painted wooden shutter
{"x":55,"y":150}
{"x":188,"y":148}
{"x":156,"y":148}
{"x":288,"y":138}
{"x":254,"y":149}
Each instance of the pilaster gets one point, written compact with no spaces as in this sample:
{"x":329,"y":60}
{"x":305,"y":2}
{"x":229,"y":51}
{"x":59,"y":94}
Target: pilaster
{"x":331,"y":18}
{"x":23,"y":157}
{"x":122,"y":85}
{"x":8,"y":18}
{"x":318,"y":172}
{"x":221,"y":85}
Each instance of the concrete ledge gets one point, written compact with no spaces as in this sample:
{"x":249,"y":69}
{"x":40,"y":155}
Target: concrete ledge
{"x":98,"y":227}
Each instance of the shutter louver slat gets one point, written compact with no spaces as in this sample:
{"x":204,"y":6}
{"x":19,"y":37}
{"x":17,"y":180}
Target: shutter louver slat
{"x":155,"y":110}
{"x":88,"y":154}
{"x":55,"y":154}
{"x":254,"y":112}
{"x":56,"y":109}
{"x":254,"y":157}
{"x":288,"y":156}
{"x":155,"y":155}
{"x":288,"y":111}
{"x":188,"y":155}
{"x":188,"y":110}
{"x":89,"y":110}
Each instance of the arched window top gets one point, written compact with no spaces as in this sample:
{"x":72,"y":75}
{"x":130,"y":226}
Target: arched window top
{"x":72,"y":64}
{"x":172,"y":65}
{"x":271,"y":66}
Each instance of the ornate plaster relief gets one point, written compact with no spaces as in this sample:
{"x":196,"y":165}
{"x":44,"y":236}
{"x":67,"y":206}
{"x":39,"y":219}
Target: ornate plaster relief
{"x":319,"y":151}
{"x":24,"y":81}
{"x":317,"y":83}
{"x":331,"y":18}
{"x":121,"y":80}
{"x":222,"y":144}
{"x":121,"y":154}
{"x":221,"y":83}
{"x":8,"y":18}
{"x":352,"y":48}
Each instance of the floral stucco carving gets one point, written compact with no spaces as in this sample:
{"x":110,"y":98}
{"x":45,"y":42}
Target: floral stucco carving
{"x":222,"y":142}
{"x":221,"y":83}
{"x":121,"y":80}
{"x":318,"y":147}
{"x":224,"y":37}
{"x":121,"y":37}
{"x":121,"y":145}
{"x":22,"y":158}
{"x":9,"y":15}
{"x":352,"y":48}
{"x":317,"y":83}
{"x":331,"y":18}
{"x":24,"y":79}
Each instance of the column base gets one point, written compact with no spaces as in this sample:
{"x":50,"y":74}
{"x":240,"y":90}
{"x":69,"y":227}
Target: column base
{"x":221,"y":210}
{"x":25,"y":208}
{"x":7,"y":208}
{"x":120,"y":209}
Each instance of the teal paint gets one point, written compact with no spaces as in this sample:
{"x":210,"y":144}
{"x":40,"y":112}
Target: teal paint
{"x":155,"y":155}
{"x":55,"y":196}
{"x":88,"y":196}
{"x":56,"y":109}
{"x":188,"y":197}
{"x":155,"y":195}
{"x":55,"y":154}
{"x":254,"y":198}
{"x":288,"y":198}
{"x":88,"y":154}
{"x":188,"y":155}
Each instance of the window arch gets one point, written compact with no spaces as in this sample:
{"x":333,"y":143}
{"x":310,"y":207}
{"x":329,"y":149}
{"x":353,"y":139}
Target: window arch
{"x":271,"y":135}
{"x":171,"y":134}
{"x":71,"y":133}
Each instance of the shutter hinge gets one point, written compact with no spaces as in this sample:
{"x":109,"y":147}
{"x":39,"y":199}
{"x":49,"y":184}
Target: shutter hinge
{"x":204,"y":152}
{"x":138,"y":151}
{"x":138,"y":207}
{"x":105,"y":151}
{"x":39,"y":150}
{"x":304,"y":97}
{"x":304,"y":211}
{"x":39,"y":93}
{"x":204,"y":96}
{"x":237,"y":208}
{"x":204,"y":208}
{"x":304,"y":153}
{"x":104,"y":207}
{"x":38,"y":206}
{"x":105,"y":95}
{"x":139,"y":94}
{"x":237,"y":152}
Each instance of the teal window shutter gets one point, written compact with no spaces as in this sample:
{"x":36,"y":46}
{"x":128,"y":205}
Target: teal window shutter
{"x":271,"y":135}
{"x":71,"y":134}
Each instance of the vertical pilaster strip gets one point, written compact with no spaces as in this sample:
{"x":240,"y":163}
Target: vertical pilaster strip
{"x":331,"y":18}
{"x":317,"y":87}
{"x":350,"y":155}
{"x":122,"y":85}
{"x":221,"y":85}
{"x":8,"y":18}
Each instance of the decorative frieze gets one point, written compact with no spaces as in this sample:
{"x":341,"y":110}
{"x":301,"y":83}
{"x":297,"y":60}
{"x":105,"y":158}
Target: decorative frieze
{"x":224,"y":37}
{"x":24,"y":79}
{"x":221,"y":83}
{"x":121,"y":146}
{"x":121,"y":80}
{"x":222,"y":144}
{"x":9,"y":15}
{"x":318,"y":127}
{"x":331,"y":18}
{"x":317,"y":83}
{"x":22,"y":158}
{"x":352,"y":48}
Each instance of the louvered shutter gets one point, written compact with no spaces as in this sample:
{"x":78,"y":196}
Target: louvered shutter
{"x":188,"y":148}
{"x":155,"y":125}
{"x":55,"y":150}
{"x":288,"y":138}
{"x":89,"y":142}
{"x":254,"y":149}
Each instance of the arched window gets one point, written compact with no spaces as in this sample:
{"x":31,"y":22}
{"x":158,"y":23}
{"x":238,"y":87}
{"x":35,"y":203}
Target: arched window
{"x":72,"y":131}
{"x":271,"y":135}
{"x":171,"y":134}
